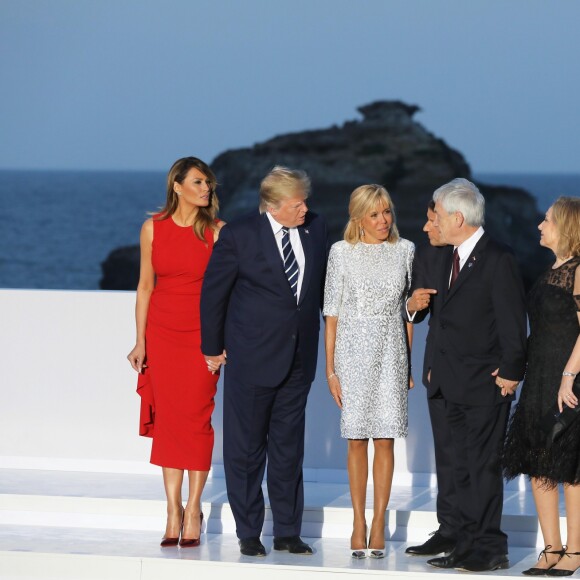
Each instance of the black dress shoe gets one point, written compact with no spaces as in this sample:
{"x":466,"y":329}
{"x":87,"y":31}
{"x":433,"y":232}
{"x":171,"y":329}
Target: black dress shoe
{"x":449,"y":561}
{"x":436,"y":544}
{"x":480,"y":563}
{"x":292,"y":544}
{"x":252,"y":547}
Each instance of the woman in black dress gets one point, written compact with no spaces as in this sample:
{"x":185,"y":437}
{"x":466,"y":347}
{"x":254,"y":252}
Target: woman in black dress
{"x":553,"y":363}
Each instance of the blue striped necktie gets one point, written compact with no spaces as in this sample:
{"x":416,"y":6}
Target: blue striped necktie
{"x":290,"y":263}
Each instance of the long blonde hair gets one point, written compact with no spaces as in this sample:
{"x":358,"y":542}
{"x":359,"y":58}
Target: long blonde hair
{"x":363,"y":200}
{"x":206,"y":216}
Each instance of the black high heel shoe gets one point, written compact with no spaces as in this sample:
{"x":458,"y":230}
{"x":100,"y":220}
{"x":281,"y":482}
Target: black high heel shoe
{"x":193,"y":542}
{"x":168,"y":542}
{"x":543,"y":571}
{"x":556,"y":572}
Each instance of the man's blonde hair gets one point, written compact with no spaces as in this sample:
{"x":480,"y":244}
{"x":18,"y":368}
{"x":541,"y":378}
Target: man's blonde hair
{"x":280,"y":184}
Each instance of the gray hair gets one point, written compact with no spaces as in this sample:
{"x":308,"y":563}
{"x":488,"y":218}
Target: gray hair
{"x":463,"y":196}
{"x":282,"y":183}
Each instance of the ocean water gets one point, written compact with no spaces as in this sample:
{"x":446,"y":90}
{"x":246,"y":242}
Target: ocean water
{"x":58,"y":226}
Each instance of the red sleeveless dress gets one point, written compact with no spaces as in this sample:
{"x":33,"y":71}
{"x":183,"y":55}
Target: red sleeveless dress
{"x":177,"y":391}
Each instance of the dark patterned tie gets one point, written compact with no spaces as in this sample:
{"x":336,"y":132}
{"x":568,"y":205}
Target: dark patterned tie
{"x":455,"y":269}
{"x":290,"y":263}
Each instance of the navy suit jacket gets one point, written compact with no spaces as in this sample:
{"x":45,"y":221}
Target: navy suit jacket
{"x":247,"y":306}
{"x":477,"y":326}
{"x":427,"y":263}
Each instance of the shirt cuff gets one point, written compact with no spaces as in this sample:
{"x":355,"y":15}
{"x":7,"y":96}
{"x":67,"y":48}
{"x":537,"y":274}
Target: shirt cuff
{"x":409,"y":317}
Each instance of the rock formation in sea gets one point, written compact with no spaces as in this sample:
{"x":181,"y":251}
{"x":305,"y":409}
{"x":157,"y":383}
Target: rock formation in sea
{"x":385,"y":146}
{"x":121,"y":269}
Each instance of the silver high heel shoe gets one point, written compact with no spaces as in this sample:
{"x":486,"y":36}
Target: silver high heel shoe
{"x":360,"y":553}
{"x":376,"y":553}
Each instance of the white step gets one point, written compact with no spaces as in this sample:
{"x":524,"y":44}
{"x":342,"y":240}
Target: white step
{"x":136,"y":502}
{"x":56,"y":524}
{"x":66,"y":553}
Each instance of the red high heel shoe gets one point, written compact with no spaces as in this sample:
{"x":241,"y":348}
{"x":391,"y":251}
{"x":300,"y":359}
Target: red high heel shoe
{"x":192,"y":543}
{"x":168,"y":542}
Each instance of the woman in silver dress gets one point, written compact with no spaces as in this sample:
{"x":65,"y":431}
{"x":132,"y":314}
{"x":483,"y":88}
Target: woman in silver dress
{"x":367,"y":348}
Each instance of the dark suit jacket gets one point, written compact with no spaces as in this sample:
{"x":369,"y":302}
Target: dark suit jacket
{"x":247,"y":306}
{"x":477,"y":326}
{"x":427,"y":264}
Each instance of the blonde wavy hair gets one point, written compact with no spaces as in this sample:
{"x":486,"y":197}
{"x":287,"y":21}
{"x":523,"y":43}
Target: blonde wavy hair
{"x":363,"y":200}
{"x":566,"y":216}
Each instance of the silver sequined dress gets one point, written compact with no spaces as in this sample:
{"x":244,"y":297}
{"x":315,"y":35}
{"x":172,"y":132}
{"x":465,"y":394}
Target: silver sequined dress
{"x":366,"y":286}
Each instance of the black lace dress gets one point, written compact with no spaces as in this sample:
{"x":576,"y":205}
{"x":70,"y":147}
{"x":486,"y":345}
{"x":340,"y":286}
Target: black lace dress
{"x":554,"y":329}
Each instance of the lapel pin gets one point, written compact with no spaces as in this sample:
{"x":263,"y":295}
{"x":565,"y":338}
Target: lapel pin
{"x":306,"y":232}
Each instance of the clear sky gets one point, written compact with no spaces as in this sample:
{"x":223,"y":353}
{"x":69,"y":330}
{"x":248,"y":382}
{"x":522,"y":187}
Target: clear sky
{"x":135,"y":84}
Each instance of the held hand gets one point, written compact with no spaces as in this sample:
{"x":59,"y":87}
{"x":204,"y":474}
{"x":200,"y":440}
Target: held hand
{"x":565,"y":395}
{"x":214,"y":362}
{"x":420,"y":299}
{"x":335,"y":390}
{"x":137,"y":358}
{"x":411,"y":382}
{"x":507,"y":387}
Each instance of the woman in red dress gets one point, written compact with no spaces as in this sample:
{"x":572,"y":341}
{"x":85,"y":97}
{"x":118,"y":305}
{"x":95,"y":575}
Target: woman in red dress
{"x":177,"y":386}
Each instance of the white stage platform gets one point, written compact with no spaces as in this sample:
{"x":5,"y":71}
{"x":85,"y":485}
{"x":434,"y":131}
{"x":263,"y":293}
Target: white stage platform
{"x":78,"y":499}
{"x":84,"y":525}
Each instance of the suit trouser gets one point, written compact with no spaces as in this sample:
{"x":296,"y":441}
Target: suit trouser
{"x":478,"y":433}
{"x":443,"y":444}
{"x":265,"y":423}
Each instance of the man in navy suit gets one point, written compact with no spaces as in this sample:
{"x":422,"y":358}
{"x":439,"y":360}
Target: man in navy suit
{"x":426,"y":265}
{"x":476,"y":358}
{"x":260,"y":303}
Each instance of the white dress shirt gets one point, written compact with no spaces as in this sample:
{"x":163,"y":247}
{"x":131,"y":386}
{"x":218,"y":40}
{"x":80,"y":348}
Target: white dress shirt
{"x":296,"y":247}
{"x":465,"y":248}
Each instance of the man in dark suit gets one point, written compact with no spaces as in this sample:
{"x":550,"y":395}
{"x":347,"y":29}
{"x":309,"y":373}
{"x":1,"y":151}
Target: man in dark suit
{"x":476,"y":347}
{"x":427,"y":263}
{"x":261,"y":301}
